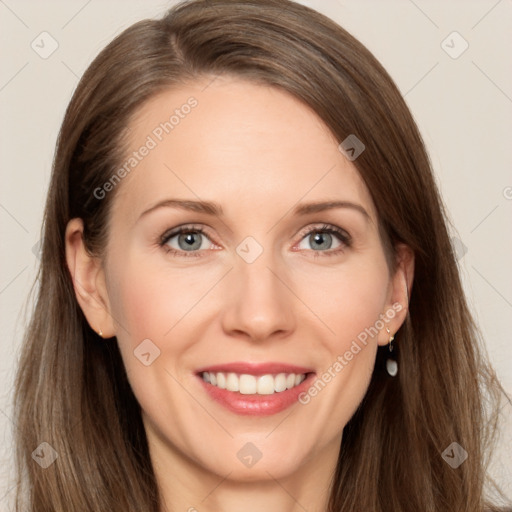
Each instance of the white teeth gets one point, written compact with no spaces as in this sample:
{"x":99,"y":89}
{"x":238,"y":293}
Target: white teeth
{"x":280,"y":382}
{"x":254,"y":385}
{"x":248,"y":384}
{"x":232,"y":382}
{"x":221,"y":381}
{"x":265,"y":385}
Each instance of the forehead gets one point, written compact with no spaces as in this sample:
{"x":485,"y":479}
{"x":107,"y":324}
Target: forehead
{"x":236,"y":143}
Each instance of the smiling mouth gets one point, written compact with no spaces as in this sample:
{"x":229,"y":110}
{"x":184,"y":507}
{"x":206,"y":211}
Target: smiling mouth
{"x":247,"y":384}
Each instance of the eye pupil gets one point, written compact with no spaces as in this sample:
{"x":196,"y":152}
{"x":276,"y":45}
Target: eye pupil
{"x":324,"y":240}
{"x":190,"y":241}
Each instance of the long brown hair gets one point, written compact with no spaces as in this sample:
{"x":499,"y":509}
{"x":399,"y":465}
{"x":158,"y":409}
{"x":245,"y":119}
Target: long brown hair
{"x":72,"y":391}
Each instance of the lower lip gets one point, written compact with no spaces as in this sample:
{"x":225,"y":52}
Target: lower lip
{"x":257,"y":405}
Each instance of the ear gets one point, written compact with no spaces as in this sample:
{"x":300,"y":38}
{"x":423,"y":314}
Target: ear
{"x":88,"y":280}
{"x":400,"y":287}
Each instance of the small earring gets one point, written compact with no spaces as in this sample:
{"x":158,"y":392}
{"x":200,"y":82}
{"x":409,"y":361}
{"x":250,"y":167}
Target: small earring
{"x":391,"y":364}
{"x":100,"y":333}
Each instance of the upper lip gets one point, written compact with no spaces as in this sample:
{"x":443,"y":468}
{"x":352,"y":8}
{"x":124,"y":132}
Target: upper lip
{"x":252,"y":368}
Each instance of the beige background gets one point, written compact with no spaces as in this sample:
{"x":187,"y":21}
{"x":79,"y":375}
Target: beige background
{"x":463,"y":106}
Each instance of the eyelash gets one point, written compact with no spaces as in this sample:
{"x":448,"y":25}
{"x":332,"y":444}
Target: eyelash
{"x":343,"y":237}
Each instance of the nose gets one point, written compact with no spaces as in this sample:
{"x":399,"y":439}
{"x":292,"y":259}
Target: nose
{"x":260,"y":306}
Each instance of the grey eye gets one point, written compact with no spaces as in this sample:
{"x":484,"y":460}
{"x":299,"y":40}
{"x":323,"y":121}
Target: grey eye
{"x":189,"y":241}
{"x":320,"y":240}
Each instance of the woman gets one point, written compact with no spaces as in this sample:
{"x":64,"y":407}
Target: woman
{"x":248,"y":297}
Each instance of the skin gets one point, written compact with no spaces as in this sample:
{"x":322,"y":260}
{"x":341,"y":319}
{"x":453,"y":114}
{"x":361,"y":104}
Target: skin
{"x":258,"y":153}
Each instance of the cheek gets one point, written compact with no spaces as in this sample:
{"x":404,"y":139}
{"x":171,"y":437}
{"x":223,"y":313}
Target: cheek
{"x":349,"y":304}
{"x":349,"y":299}
{"x":148,"y":300}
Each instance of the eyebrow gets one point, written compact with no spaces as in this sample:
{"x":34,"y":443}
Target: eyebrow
{"x":307,"y":208}
{"x":207,"y":207}
{"x":212,"y":208}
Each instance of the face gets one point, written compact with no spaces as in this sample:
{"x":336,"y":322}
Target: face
{"x":245,"y":244}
